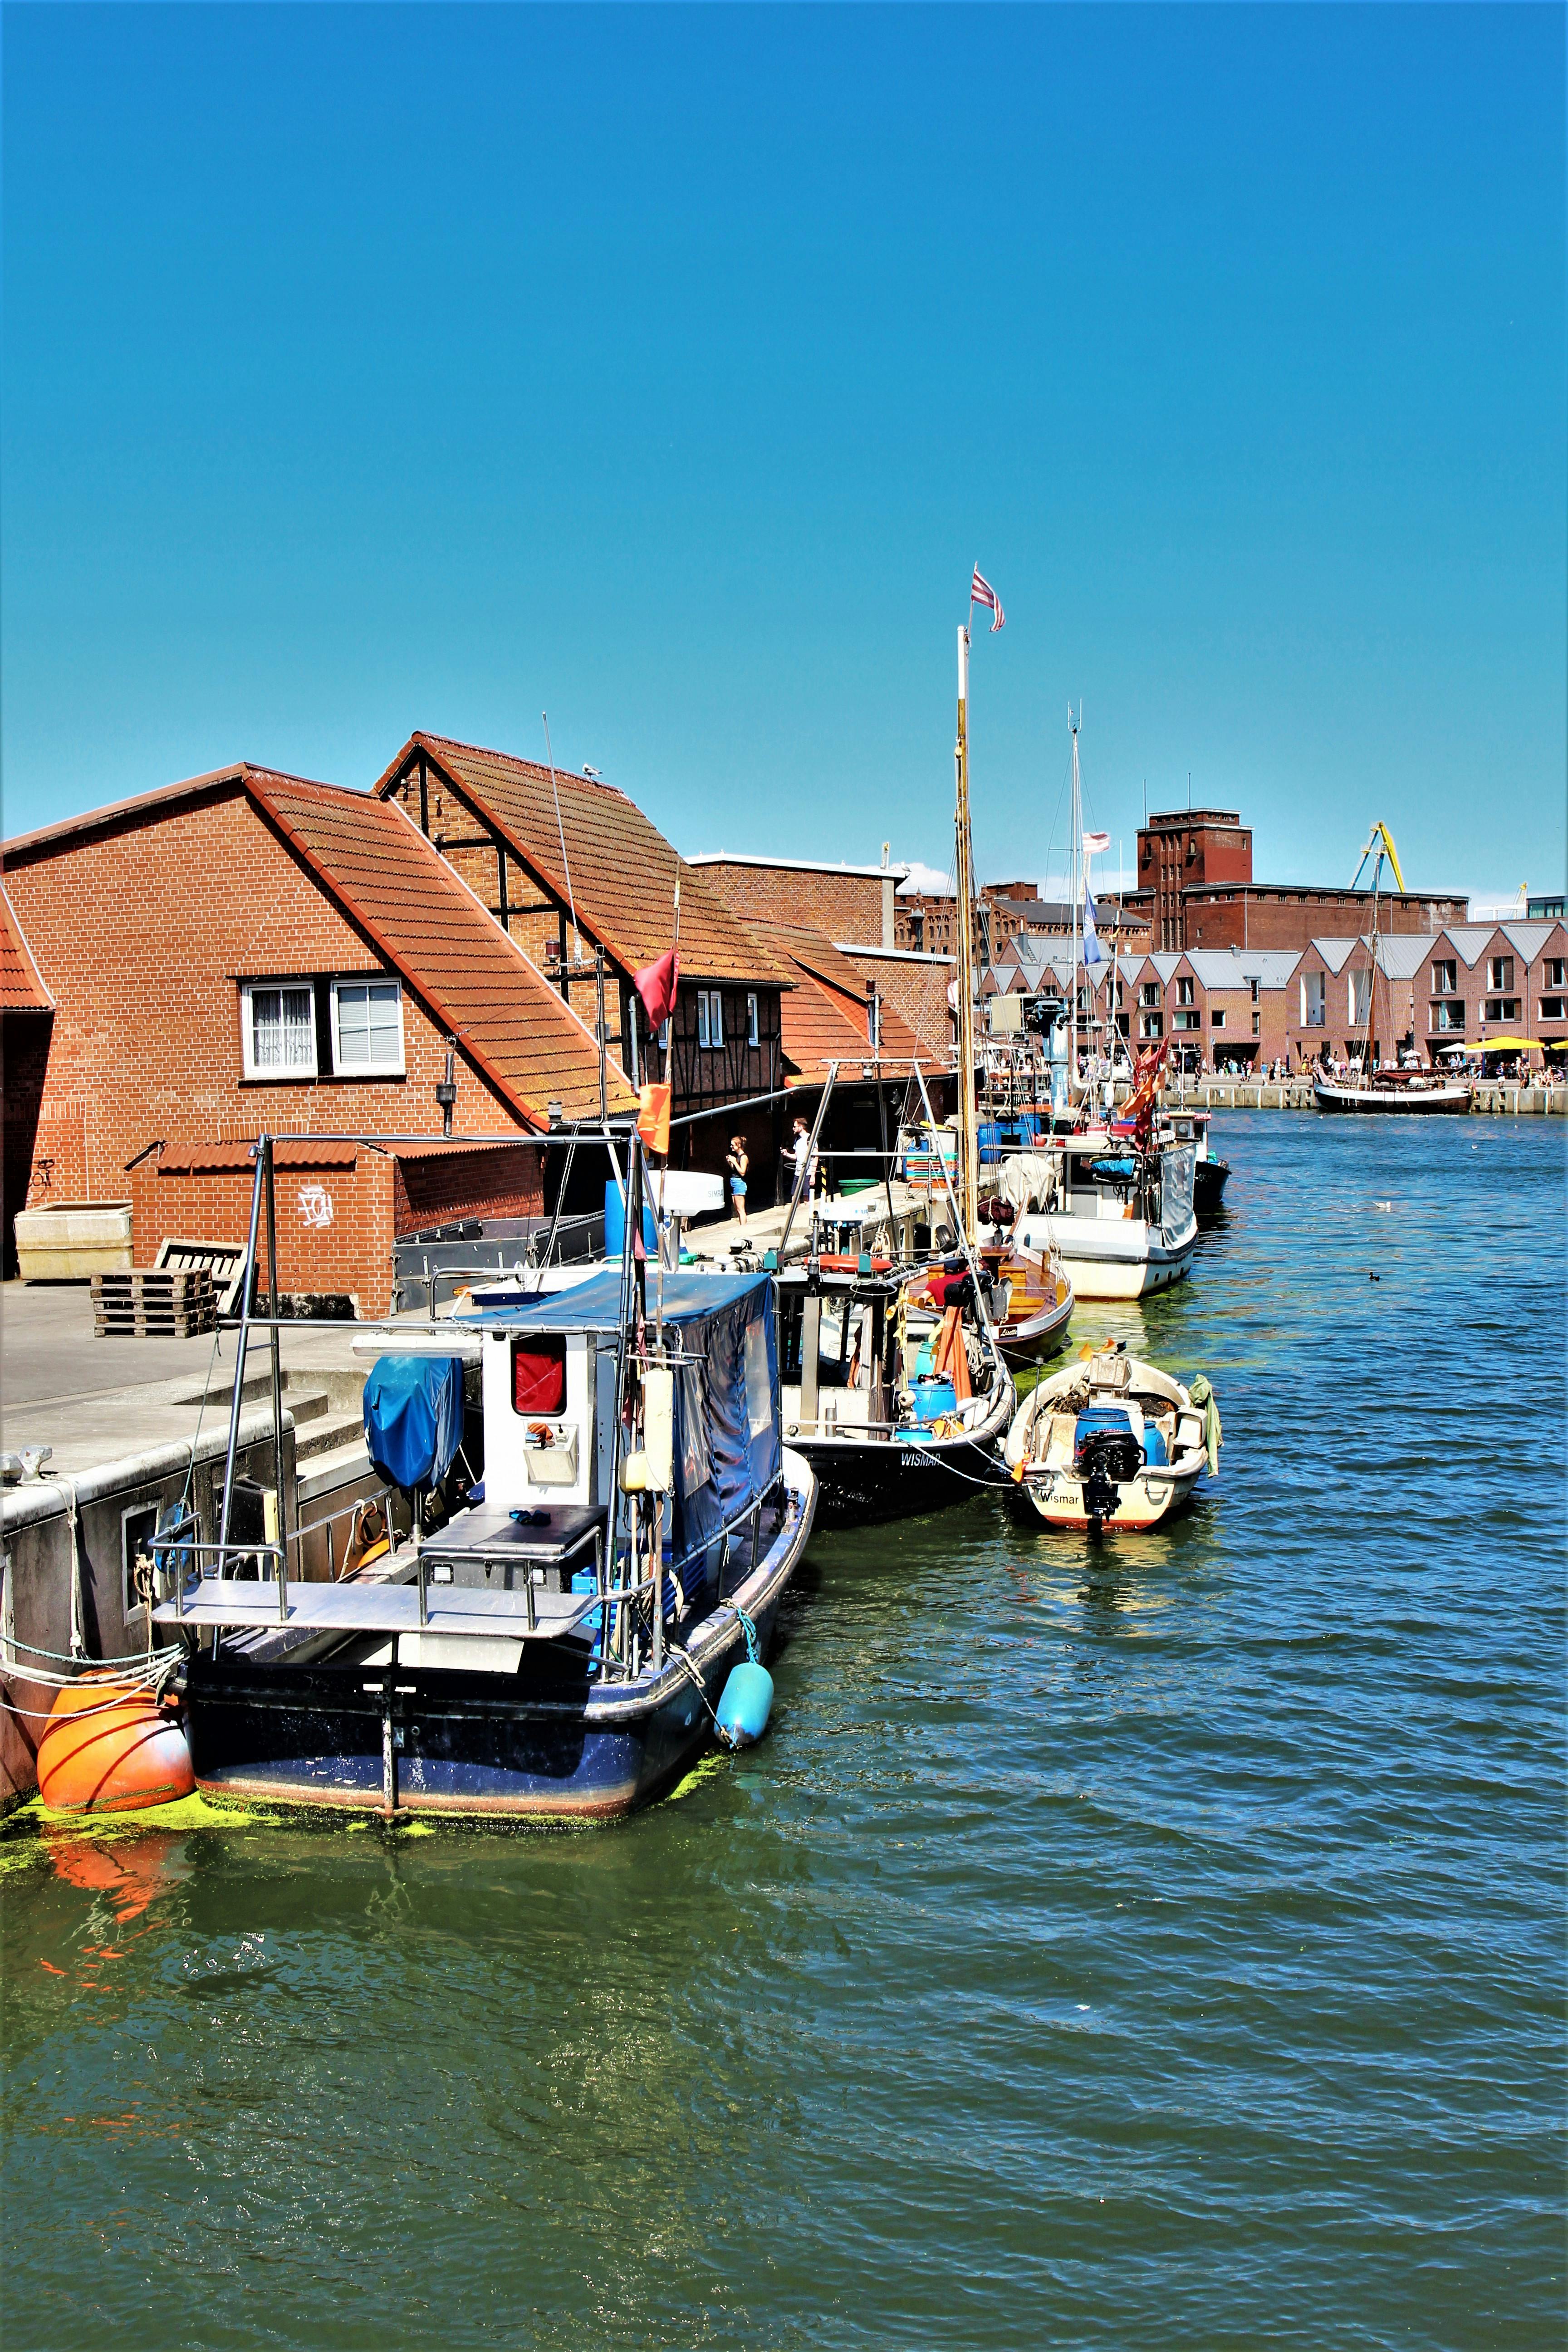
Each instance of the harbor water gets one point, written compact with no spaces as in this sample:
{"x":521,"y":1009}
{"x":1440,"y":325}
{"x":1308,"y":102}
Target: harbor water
{"x":1153,"y":1944}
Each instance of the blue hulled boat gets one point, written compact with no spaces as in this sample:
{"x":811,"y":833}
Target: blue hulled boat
{"x":559,"y":1648}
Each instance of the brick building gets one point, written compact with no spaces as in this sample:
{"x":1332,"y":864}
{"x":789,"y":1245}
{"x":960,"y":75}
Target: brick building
{"x":566,"y":864}
{"x":249,"y":951}
{"x":856,"y":905}
{"x":1195,"y":890}
{"x":1497,"y":979}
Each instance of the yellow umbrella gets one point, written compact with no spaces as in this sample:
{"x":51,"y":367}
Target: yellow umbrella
{"x":1508,"y":1045}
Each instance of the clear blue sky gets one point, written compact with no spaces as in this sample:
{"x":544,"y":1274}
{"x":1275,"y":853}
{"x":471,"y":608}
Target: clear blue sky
{"x":375,"y":368}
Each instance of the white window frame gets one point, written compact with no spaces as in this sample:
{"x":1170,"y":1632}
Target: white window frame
{"x":1314,"y":1000}
{"x":1500,"y":986}
{"x":248,"y":991}
{"x":754,"y":1026}
{"x":1448,"y":1015}
{"x":393,"y":1069}
{"x":1446,"y":977}
{"x":1551,"y":972}
{"x":711,"y":1020}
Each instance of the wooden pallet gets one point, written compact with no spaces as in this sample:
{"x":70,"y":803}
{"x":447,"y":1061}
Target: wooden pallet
{"x":149,"y":1305}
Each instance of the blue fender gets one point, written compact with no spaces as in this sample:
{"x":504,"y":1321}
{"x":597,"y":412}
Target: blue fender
{"x":746,"y":1705}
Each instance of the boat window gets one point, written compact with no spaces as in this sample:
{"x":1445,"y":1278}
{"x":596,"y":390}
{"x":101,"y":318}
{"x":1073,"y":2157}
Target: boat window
{"x":538,"y":1373}
{"x":696,"y":1464}
{"x":758,"y":1387}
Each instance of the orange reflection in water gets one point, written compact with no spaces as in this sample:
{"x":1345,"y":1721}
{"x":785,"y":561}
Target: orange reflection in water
{"x":129,"y":1872}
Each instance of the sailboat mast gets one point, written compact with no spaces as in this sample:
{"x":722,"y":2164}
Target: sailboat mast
{"x":968,"y":1174}
{"x":1076,"y":867}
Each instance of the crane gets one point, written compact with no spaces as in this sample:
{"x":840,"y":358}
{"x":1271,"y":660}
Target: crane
{"x":1379,"y":846}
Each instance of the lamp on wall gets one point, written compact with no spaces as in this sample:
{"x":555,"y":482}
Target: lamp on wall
{"x":447,"y":1087}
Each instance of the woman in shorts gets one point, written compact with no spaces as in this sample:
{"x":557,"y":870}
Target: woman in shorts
{"x":737,"y":1162}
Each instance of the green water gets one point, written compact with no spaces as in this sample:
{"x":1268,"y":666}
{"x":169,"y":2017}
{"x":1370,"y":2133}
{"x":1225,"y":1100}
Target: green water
{"x":1156,"y":1945}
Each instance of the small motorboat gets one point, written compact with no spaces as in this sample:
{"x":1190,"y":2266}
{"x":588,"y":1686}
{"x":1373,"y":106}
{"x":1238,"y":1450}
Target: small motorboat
{"x":1031,"y":1297}
{"x":1112,"y":1443}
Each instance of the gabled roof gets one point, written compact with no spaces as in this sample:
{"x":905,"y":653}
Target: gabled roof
{"x":1528,"y":938}
{"x":1239,"y":967}
{"x":824,"y":1012}
{"x":1336,"y":953}
{"x":432,"y":928}
{"x":1401,"y":953}
{"x":1470,"y":940}
{"x":623,"y":871}
{"x":22,"y":986}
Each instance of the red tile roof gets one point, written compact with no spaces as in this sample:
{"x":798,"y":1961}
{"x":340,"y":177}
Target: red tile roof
{"x":22,"y":988}
{"x":824,"y":1015}
{"x":623,"y":870}
{"x":428,"y":924}
{"x":233,"y":1158}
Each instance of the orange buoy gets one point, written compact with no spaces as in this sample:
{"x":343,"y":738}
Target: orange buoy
{"x":109,"y":1746}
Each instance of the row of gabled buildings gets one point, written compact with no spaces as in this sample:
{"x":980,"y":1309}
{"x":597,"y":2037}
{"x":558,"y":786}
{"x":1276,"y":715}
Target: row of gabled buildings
{"x":1442,"y":995}
{"x":410,"y":984}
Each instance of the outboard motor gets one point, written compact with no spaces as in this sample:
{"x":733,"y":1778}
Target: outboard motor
{"x":1105,"y":1452}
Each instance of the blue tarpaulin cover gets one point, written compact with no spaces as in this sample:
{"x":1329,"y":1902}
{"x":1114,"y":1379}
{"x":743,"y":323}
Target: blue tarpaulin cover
{"x":727,"y":1446}
{"x":413,"y":1417}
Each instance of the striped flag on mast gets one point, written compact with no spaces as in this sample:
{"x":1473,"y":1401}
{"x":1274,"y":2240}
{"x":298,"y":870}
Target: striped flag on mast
{"x":981,"y":592}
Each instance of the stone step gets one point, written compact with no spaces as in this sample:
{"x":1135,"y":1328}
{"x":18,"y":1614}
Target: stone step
{"x":326,"y":1434}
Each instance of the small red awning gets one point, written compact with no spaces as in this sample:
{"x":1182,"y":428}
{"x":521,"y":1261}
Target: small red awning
{"x":234,"y":1159}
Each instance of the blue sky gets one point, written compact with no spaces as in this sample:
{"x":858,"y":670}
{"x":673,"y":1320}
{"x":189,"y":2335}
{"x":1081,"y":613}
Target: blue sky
{"x":375,"y":368}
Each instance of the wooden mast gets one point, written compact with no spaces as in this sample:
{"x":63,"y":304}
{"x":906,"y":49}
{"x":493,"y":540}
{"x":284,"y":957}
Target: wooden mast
{"x":968,"y":1151}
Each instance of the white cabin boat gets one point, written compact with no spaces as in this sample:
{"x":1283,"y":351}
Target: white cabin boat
{"x":1123,"y":1226}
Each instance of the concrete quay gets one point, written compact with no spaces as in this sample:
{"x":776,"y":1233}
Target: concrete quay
{"x":1489,"y":1097}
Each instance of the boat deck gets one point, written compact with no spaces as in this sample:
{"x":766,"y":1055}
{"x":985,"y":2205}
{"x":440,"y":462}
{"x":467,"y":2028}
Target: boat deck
{"x":384,"y":1608}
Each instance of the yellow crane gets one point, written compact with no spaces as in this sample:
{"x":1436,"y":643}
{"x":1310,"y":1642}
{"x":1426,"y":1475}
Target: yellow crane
{"x":1379,"y":846}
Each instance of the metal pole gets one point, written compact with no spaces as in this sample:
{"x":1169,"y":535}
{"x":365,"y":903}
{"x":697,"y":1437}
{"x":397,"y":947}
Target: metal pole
{"x":810,"y":1152}
{"x":622,"y":1351}
{"x":963,"y":1240}
{"x":887,"y":1164}
{"x":276,"y":1379}
{"x":599,"y":987}
{"x":248,"y":1279}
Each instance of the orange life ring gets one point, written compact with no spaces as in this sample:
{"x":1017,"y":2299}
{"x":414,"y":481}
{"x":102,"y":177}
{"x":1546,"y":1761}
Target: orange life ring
{"x":109,"y":1746}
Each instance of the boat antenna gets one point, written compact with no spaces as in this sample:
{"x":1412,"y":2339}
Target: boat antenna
{"x":561,"y":834}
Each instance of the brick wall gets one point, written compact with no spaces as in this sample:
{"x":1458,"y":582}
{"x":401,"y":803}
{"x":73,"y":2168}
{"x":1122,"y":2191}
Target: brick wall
{"x":447,"y":1185}
{"x":334,"y":1224}
{"x":918,"y":992}
{"x":1262,"y":916}
{"x":843,"y":905}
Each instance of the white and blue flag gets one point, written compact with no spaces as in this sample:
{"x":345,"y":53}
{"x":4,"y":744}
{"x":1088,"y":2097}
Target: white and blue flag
{"x":1091,"y":948}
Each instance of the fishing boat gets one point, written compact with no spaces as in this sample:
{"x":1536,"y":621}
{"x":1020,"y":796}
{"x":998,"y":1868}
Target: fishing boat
{"x":1210,"y":1172}
{"x":565,"y":1645}
{"x":892,"y":1385}
{"x":1112,"y":1444}
{"x":1031,"y":1297}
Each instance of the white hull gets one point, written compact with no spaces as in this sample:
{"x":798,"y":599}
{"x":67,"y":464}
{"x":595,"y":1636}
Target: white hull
{"x":1108,"y":1257}
{"x":1041,"y":1448}
{"x":1397,"y":1101}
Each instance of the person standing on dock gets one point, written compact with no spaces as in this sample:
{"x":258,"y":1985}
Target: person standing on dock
{"x":737,"y":1162}
{"x":799,"y":1151}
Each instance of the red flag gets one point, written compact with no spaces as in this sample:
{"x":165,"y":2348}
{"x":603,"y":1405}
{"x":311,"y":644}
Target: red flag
{"x":653,"y":1118}
{"x":657,"y":986}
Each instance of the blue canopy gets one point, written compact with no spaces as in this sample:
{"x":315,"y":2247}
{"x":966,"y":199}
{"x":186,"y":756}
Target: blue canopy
{"x":413,"y":1417}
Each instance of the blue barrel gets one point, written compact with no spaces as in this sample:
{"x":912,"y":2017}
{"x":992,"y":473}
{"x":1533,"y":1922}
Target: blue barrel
{"x":1155,"y":1453}
{"x":933,"y":1397}
{"x":616,"y":1222}
{"x":746,"y":1705}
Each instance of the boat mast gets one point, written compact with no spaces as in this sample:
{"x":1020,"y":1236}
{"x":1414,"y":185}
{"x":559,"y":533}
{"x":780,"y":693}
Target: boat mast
{"x":968,"y":1174}
{"x":1077,"y":868}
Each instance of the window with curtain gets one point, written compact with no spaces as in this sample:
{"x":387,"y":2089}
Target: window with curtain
{"x":278,"y":1021}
